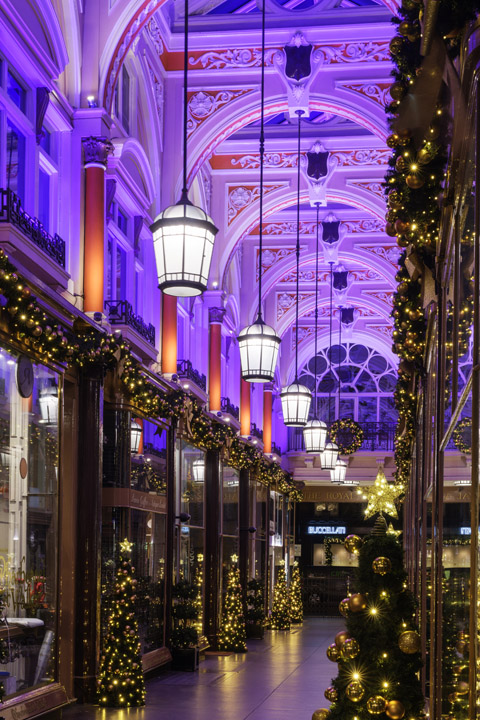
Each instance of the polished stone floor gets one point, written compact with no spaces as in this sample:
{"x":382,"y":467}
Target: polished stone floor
{"x":280,"y":678}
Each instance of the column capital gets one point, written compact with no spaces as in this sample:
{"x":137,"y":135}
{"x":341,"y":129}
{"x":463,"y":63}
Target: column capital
{"x":216,"y":315}
{"x":96,"y":151}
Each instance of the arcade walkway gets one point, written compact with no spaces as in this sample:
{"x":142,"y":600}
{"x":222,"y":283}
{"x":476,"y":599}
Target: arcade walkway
{"x":281,"y":678}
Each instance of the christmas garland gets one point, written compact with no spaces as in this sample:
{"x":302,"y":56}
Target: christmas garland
{"x":458,"y":438}
{"x":413,"y":186}
{"x":23,"y":317}
{"x":353,"y":428}
{"x":327,"y":544}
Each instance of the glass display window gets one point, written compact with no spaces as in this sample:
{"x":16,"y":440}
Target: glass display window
{"x":192,"y":483}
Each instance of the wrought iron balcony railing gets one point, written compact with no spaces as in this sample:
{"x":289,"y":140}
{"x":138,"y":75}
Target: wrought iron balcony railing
{"x":11,"y":211}
{"x":228,"y":407}
{"x":276,"y":449}
{"x":376,"y":436}
{"x":120,"y":312}
{"x":256,"y":432}
{"x":185,"y":369}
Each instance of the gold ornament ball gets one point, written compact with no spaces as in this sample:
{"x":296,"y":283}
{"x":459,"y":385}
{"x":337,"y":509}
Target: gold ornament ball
{"x":333,"y":653}
{"x":409,"y":642}
{"x":331,"y":694}
{"x":353,"y":543}
{"x":381,"y":565}
{"x":344,"y":607}
{"x":394,"y":200}
{"x":401,"y":227}
{"x":414,"y":182}
{"x":405,"y":28}
{"x":340,"y":638}
{"x":351,"y":648}
{"x":355,"y":691}
{"x":396,"y":45}
{"x":376,"y":705}
{"x":395,"y":710}
{"x":390,"y":230}
{"x":400,"y":164}
{"x":397,"y":91}
{"x":321,"y":714}
{"x":357,"y":602}
{"x":424,"y":156}
{"x":393,"y":140}
{"x":461,"y":688}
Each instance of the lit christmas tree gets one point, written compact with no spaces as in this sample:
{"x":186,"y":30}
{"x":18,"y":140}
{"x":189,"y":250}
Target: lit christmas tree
{"x":232,"y":634}
{"x":295,"y":593}
{"x":378,"y":654}
{"x":280,"y":616}
{"x":120,"y":682}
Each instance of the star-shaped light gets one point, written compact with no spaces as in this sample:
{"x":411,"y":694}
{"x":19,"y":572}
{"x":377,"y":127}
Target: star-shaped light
{"x":126,"y":546}
{"x":381,"y":497}
{"x":234,"y":558}
{"x":391,"y":531}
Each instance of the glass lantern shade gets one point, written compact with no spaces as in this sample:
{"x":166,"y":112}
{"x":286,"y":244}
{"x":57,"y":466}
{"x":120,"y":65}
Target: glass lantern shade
{"x":351,"y":483}
{"x":296,"y":400}
{"x":328,"y":458}
{"x":315,"y":436}
{"x":258,"y":344}
{"x":135,"y":435}
{"x":338,"y":475}
{"x":48,"y":401}
{"x":198,"y":470}
{"x":183,"y":237}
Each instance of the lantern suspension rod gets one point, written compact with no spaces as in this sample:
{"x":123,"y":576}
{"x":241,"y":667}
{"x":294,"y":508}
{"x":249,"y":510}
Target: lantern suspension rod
{"x":316,"y":311}
{"x":330,"y":346}
{"x":339,"y":357}
{"x":185,"y":87}
{"x":299,"y":113}
{"x":262,"y":153}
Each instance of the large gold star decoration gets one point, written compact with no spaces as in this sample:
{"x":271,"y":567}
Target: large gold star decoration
{"x":126,"y":546}
{"x":381,"y":497}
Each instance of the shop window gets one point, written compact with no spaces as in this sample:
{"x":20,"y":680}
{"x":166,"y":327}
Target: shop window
{"x":28,"y":521}
{"x":16,"y":161}
{"x":44,"y":199}
{"x":122,"y":221}
{"x":120,"y":274}
{"x":16,"y":92}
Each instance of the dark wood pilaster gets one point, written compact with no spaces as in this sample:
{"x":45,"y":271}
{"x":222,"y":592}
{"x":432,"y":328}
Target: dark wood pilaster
{"x":244,"y":524}
{"x":170,"y":530}
{"x":212,"y":546}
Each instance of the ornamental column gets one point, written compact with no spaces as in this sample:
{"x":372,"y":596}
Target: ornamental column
{"x":267,"y":418}
{"x":245,"y":420}
{"x":169,"y":334}
{"x":96,"y":151}
{"x":215,"y":319}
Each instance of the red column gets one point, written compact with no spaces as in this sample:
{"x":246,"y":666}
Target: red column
{"x":244,"y":408}
{"x":96,"y":151}
{"x":215,"y":318}
{"x":169,"y":334}
{"x":267,"y":418}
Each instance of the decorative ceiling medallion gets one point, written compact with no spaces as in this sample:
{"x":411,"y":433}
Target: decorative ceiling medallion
{"x":204,"y":103}
{"x":287,"y":300}
{"x":271,"y":256}
{"x":239,"y":197}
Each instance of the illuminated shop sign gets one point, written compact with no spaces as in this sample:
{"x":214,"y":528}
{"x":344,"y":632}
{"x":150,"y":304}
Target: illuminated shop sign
{"x":326,"y":530}
{"x":466,"y":530}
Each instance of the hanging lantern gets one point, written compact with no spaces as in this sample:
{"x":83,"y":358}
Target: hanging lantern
{"x":351,"y":483}
{"x":296,"y":401}
{"x":315,"y":436}
{"x":198,"y":470}
{"x":48,"y":401}
{"x":328,"y":458}
{"x":135,"y":435}
{"x":338,"y":474}
{"x":258,"y":345}
{"x":183,"y":237}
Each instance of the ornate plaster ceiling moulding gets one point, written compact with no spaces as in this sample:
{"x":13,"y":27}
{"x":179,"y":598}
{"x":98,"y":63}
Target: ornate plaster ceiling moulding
{"x":368,"y":225}
{"x":383,"y":329}
{"x":287,"y":300}
{"x":358,"y":274}
{"x":231,"y":58}
{"x":240,"y":197}
{"x":305,"y":332}
{"x":372,"y":186}
{"x":390,"y":253}
{"x":347,"y":158}
{"x":361,"y":157}
{"x":383,"y":296}
{"x":204,"y":103}
{"x":158,"y":95}
{"x":271,"y":256}
{"x":377,"y":91}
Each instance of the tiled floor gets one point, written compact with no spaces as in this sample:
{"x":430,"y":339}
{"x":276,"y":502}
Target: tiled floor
{"x":280,"y":678}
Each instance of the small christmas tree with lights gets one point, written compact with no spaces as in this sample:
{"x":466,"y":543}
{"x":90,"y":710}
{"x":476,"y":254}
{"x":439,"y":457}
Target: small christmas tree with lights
{"x":280,"y":615}
{"x":120,"y":682}
{"x":232,"y":634}
{"x":378,"y":654}
{"x":295,"y":592}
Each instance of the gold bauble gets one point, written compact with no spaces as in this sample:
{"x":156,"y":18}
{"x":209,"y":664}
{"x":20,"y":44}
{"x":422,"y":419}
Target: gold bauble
{"x":405,"y":28}
{"x":321,"y":714}
{"x":401,"y":227}
{"x":395,"y":710}
{"x":400,"y":163}
{"x":390,"y":230}
{"x":350,"y":649}
{"x":331,"y":694}
{"x":340,"y":638}
{"x":414,"y":182}
{"x":396,"y":45}
{"x":394,"y":200}
{"x":393,"y":140}
{"x":357,"y":602}
{"x":461,"y":688}
{"x":409,"y":642}
{"x":381,"y":565}
{"x":424,"y":156}
{"x":355,"y":691}
{"x":344,"y":607}
{"x":353,"y":543}
{"x":376,"y":705}
{"x":397,"y":90}
{"x":403,"y":241}
{"x":333,"y":653}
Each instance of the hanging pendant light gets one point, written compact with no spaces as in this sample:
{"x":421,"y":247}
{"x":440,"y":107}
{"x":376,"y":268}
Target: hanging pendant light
{"x":296,"y":398}
{"x":258,"y":343}
{"x":135,"y":436}
{"x":183,"y":234}
{"x":315,"y":431}
{"x":338,"y":474}
{"x":329,"y":456}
